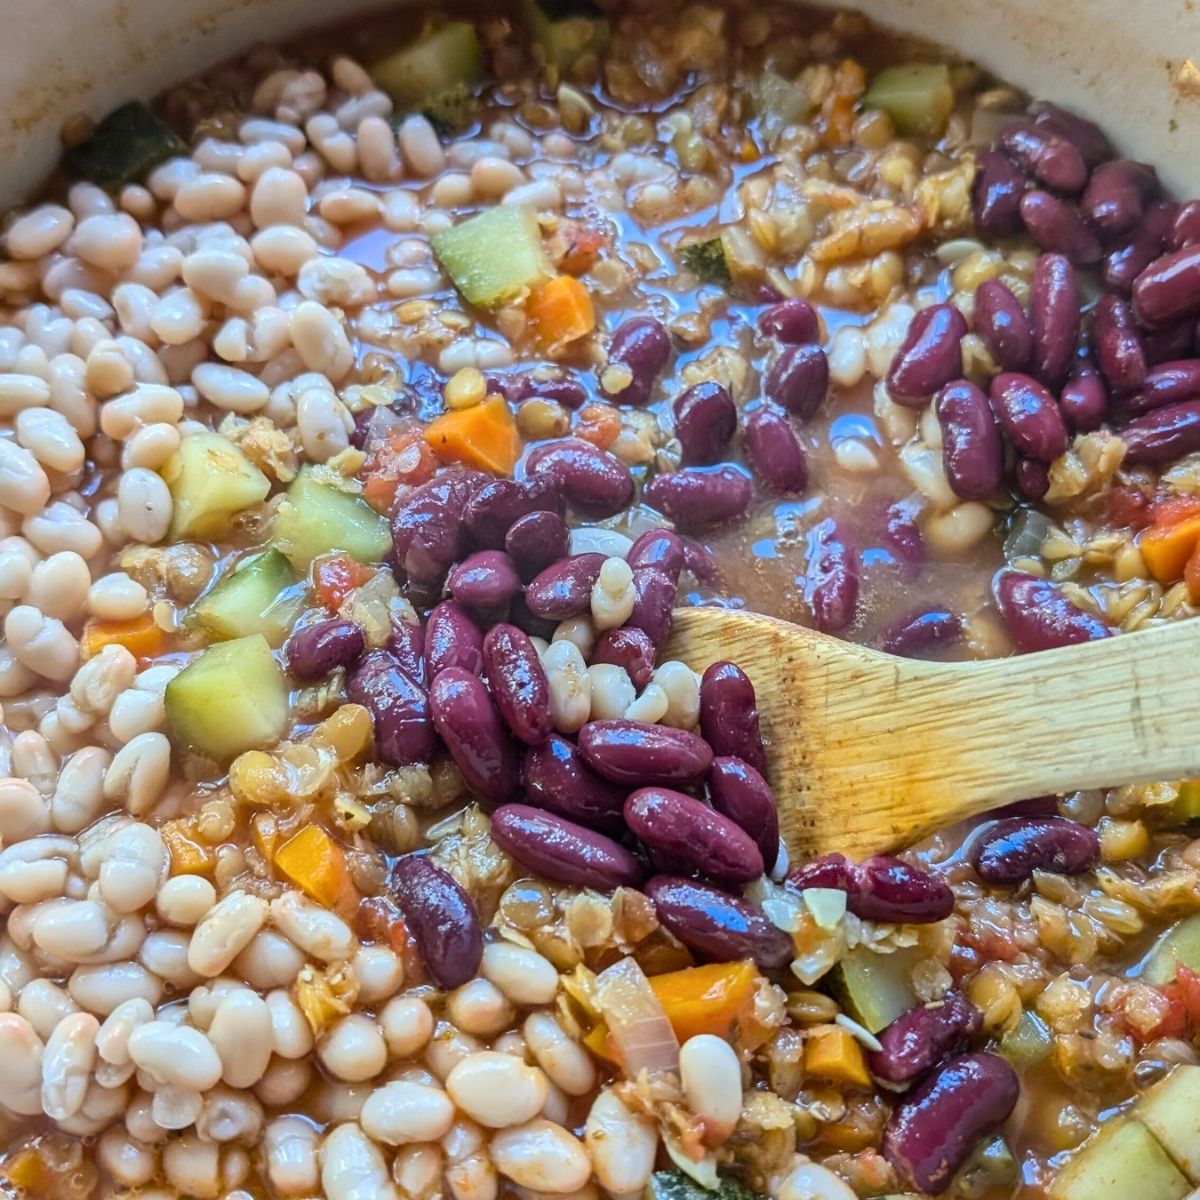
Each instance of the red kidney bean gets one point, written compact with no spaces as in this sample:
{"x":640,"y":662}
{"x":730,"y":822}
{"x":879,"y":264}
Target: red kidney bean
{"x":1163,"y":435}
{"x":1117,"y":342}
{"x":452,"y":639}
{"x":705,"y":420}
{"x":495,"y":507}
{"x":399,"y":709}
{"x":642,"y":345}
{"x":739,"y":792}
{"x":1116,"y":196}
{"x":406,"y":643}
{"x":1013,"y":849}
{"x":831,"y":578}
{"x":546,"y":384}
{"x":557,"y":779}
{"x":629,"y":648}
{"x":793,"y":322}
{"x":834,"y":871}
{"x":637,"y":754}
{"x":441,"y":918}
{"x":1003,"y":326}
{"x":1045,"y":155}
{"x":536,"y":540}
{"x":1166,"y":343}
{"x":1030,"y":416}
{"x":1054,"y":303}
{"x":799,"y":380}
{"x":996,"y":194}
{"x":518,"y":683}
{"x":902,"y":535}
{"x":699,"y":561}
{"x":1032,"y":478}
{"x":654,"y":600}
{"x":467,"y":721}
{"x":1124,"y":264}
{"x":1167,"y":383}
{"x":1169,"y":288}
{"x":699,"y":498}
{"x":484,"y":581}
{"x":658,"y":548}
{"x":889,"y":889}
{"x":1087,"y":137}
{"x":912,"y":636}
{"x":1039,"y":617}
{"x":774,"y":450}
{"x":427,"y":529}
{"x":1058,"y":228}
{"x":972,"y":453}
{"x":313,"y":651}
{"x":929,"y":357}
{"x":935,"y":1127}
{"x":1185,"y":229}
{"x":1084,"y":401}
{"x":729,"y":715}
{"x":562,"y":851}
{"x":718,"y":926}
{"x":592,"y":481}
{"x":564,"y":589}
{"x":923,"y":1036}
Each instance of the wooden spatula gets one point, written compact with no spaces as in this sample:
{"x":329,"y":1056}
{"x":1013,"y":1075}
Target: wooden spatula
{"x":868,"y":752}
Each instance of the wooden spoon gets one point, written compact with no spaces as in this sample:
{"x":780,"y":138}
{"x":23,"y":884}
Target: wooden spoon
{"x":868,"y":752}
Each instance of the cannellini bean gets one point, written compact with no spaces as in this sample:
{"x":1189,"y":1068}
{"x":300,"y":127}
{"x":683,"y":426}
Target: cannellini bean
{"x":48,"y":436}
{"x":67,"y":1063}
{"x":542,"y":1156}
{"x":711,"y":1075}
{"x":283,"y":249}
{"x":613,"y":594}
{"x":58,"y":586}
{"x":241,"y":1033}
{"x":811,"y":1181}
{"x":612,"y":691}
{"x":185,"y":899}
{"x":269,"y":961}
{"x":284,"y":1083}
{"x":176,"y":1054}
{"x":569,"y":685}
{"x":403,"y":1112}
{"x":290,"y":1146}
{"x":72,"y":930}
{"x":407,"y":1026}
{"x":130,"y":1163}
{"x":100,"y":988}
{"x":623,"y":1144}
{"x":279,"y":197}
{"x":229,"y":388}
{"x":39,"y":231}
{"x":682,"y":688}
{"x":497,"y":1090}
{"x":317,"y":931}
{"x":111,"y":241}
{"x":225,"y":932}
{"x":23,"y":812}
{"x":24,"y":486}
{"x":523,"y":975}
{"x":291,"y":1034}
{"x":44,"y":1004}
{"x":138,"y":772}
{"x":470,"y":1174}
{"x":353,"y":1049}
{"x":78,"y":795}
{"x":20,"y":1066}
{"x":418,"y":1171}
{"x":176,"y":1108}
{"x":193,"y":1166}
{"x":112,"y":1038}
{"x":134,"y":858}
{"x":352,"y":1167}
{"x":379,"y":971}
{"x":480,"y":1008}
{"x":564,"y":1060}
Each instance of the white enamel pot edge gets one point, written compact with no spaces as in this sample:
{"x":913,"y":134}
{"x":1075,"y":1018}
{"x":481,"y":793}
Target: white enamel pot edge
{"x":1132,"y":66}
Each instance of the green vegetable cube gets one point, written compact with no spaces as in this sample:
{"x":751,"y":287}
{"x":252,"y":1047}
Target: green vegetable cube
{"x":494,"y":256}
{"x":257,"y":596}
{"x":441,"y":60}
{"x":316,"y":517}
{"x":126,"y":146}
{"x":918,"y":96}
{"x":210,"y":480}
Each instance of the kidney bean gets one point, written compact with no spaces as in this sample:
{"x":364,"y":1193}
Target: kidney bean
{"x":833,"y":871}
{"x":1118,"y":344}
{"x":774,"y":450}
{"x":484,"y":581}
{"x":564,"y":589}
{"x":564,"y":852}
{"x":452,"y":639}
{"x":699,"y":561}
{"x":1185,"y":229}
{"x":1169,"y":288}
{"x":1167,"y":343}
{"x":831,"y":578}
{"x":729,"y":715}
{"x":629,"y":648}
{"x":1044,"y":154}
{"x":1086,"y":136}
{"x":1032,"y":478}
{"x":1167,"y":383}
{"x":799,"y":380}
{"x":793,"y":322}
{"x":313,"y":651}
{"x":1039,"y":617}
{"x":1116,"y":196}
{"x":888,"y":889}
{"x":739,"y":792}
{"x":1124,"y":264}
{"x":935,"y":1127}
{"x":467,"y":721}
{"x":654,"y":600}
{"x":996,"y":194}
{"x":1013,"y":849}
{"x":902,"y":535}
{"x":518,"y":683}
{"x":718,"y":926}
{"x":537,"y":540}
{"x":920,"y":1038}
{"x":698,"y":498}
{"x":1058,"y":228}
{"x":972,"y":453}
{"x":495,"y":507}
{"x":642,"y":345}
{"x":912,"y":636}
{"x":929,"y":357}
{"x":406,"y":643}
{"x":1084,"y":401}
{"x":1163,"y":435}
{"x":399,"y":709}
{"x":658,"y":548}
{"x":705,"y":420}
{"x":1002,"y":325}
{"x":1030,"y":416}
{"x":592,"y":481}
{"x":637,"y":754}
{"x":427,"y":529}
{"x":556,"y":778}
{"x":441,"y":918}
{"x":545,"y":384}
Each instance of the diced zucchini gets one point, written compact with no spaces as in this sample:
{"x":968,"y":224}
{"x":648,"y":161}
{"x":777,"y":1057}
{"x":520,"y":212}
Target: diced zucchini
{"x":231,"y":697}
{"x":1186,"y":807}
{"x":675,"y":1185}
{"x":1122,"y":1160}
{"x":126,"y":146}
{"x":443,"y":59}
{"x":494,"y":256}
{"x":1027,"y":1043}
{"x":255,"y":597}
{"x":876,"y":988}
{"x":1179,"y":944}
{"x":780,"y":103}
{"x":919,"y":97}
{"x":566,"y":30}
{"x":315,"y":517}
{"x":708,"y":261}
{"x":210,"y":480}
{"x":1171,"y":1111}
{"x":989,"y":1170}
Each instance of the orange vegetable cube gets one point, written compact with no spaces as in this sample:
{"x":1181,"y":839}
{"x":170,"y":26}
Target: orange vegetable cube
{"x":483,"y":436}
{"x":26,"y":1171}
{"x":717,"y":998}
{"x":831,"y":1052}
{"x":188,"y":856}
{"x":560,"y":312}
{"x":1191,"y":575}
{"x":1167,"y":545}
{"x":316,"y":864}
{"x":140,"y":636}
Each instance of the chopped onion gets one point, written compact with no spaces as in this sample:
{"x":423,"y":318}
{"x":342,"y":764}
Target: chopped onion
{"x":827,"y":905}
{"x":641,"y":1033}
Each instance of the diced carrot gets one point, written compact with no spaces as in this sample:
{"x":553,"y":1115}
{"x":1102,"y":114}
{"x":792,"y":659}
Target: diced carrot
{"x":1170,"y":510}
{"x":264,"y":830}
{"x":316,"y":864}
{"x":188,"y":855}
{"x":483,"y":436}
{"x":1168,"y":544}
{"x":560,"y":312}
{"x":403,"y":461}
{"x":599,"y":424}
{"x":25,"y":1171}
{"x":140,"y":636}
{"x":717,"y":999}
{"x":336,"y":577}
{"x":830,"y":1052}
{"x":582,"y":251}
{"x":1191,"y":575}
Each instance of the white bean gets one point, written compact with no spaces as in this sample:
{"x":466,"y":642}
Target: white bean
{"x":352,"y":1167}
{"x":711,"y":1075}
{"x":811,"y":1181}
{"x":225,"y":932}
{"x":523,"y":975}
{"x":39,"y":231}
{"x":353,"y":1049}
{"x":497,"y":1090}
{"x":139,"y":771}
{"x":20,"y":1066}
{"x":241,"y":1033}
{"x":48,"y":436}
{"x":403,"y":1112}
{"x":564,"y":1060}
{"x":569,"y":685}
{"x":176,"y":1054}
{"x":480,"y":1008}
{"x":291,"y":1034}
{"x":229,"y":388}
{"x":317,"y":931}
{"x":407,"y":1026}
{"x":543,"y":1156}
{"x":24,"y":486}
{"x":67,"y":1063}
{"x":623,"y":1144}
{"x":290,"y":1146}
{"x":612,"y":691}
{"x":78,"y":795}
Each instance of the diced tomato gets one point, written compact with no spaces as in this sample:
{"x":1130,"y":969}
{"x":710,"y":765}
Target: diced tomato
{"x":1188,"y":983}
{"x":1127,"y":507}
{"x":336,"y":577}
{"x":583,"y":249}
{"x":404,"y":461}
{"x":1176,"y":1021}
{"x":379,"y":920}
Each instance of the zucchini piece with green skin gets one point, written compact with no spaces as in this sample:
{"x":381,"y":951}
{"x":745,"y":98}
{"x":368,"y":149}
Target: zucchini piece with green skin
{"x":566,"y":32}
{"x":315,"y":517}
{"x":919,"y":97}
{"x":230,"y":698}
{"x":494,"y":256}
{"x":443,"y":59}
{"x":1123,"y":1160}
{"x":708,"y":261}
{"x":1028,"y":1043}
{"x":125,"y":147}
{"x":211,"y":481}
{"x":780,"y":103}
{"x":875,"y":989}
{"x":1178,"y":944}
{"x":255,"y":597}
{"x":675,"y":1185}
{"x":1171,"y":1111}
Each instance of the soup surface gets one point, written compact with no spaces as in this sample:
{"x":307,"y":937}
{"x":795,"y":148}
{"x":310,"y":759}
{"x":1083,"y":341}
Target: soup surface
{"x":366,"y":407}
